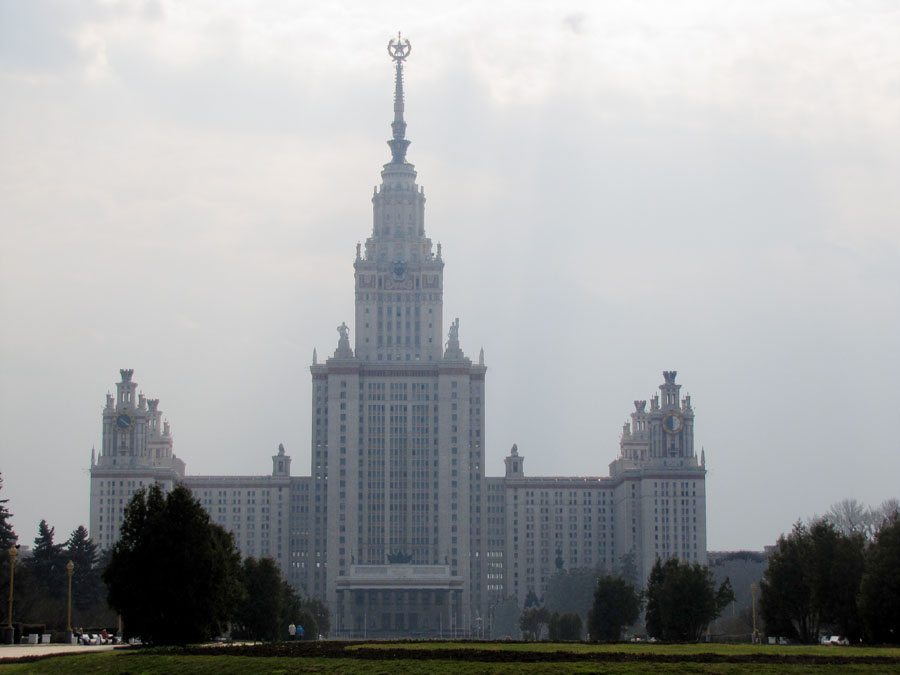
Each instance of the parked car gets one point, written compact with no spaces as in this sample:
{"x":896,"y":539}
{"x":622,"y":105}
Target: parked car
{"x":835,"y":640}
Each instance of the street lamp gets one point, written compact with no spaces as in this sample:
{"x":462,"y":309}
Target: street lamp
{"x":70,"y":567}
{"x":11,"y":633}
{"x":753,"y":601}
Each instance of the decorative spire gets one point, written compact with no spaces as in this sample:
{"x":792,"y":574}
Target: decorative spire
{"x":398,"y":49}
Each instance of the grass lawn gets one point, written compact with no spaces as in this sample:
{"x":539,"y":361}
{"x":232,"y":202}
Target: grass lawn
{"x":644,"y":647}
{"x":527,"y":658}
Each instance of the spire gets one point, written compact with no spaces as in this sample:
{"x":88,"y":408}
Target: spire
{"x":399,"y":49}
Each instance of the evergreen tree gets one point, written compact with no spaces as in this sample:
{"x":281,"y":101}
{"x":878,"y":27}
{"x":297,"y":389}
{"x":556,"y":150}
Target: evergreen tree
{"x":8,"y":536}
{"x":308,"y":623}
{"x":87,"y":588}
{"x":46,"y":562}
{"x":319,"y":611}
{"x":260,"y":611}
{"x":173,"y":575}
{"x":812,"y":582}
{"x":682,"y":599}
{"x":617,"y":604}
{"x":879,"y":593}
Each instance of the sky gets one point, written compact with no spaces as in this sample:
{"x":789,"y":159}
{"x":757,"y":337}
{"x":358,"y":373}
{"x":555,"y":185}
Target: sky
{"x":619,"y":189}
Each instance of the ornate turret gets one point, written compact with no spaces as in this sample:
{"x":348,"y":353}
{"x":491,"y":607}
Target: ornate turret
{"x":281,"y":463}
{"x":515,"y":463}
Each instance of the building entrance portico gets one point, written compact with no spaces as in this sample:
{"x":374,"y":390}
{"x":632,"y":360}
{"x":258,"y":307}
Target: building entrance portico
{"x":399,"y":601}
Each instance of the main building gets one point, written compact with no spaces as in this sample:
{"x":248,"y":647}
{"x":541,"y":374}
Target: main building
{"x":397,"y":527}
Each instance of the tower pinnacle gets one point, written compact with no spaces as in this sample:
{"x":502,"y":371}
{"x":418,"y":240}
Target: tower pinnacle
{"x":398,"y":49}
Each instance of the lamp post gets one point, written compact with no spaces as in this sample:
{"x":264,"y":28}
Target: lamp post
{"x":70,"y":567}
{"x":10,"y":631}
{"x":753,"y":601}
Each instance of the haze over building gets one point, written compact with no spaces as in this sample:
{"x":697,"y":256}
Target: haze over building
{"x":397,"y":527}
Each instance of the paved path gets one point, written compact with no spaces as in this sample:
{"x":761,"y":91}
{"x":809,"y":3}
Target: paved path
{"x":18,"y":651}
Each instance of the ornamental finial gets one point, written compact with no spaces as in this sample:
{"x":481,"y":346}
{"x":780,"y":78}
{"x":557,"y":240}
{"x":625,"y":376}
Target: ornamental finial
{"x":398,"y":49}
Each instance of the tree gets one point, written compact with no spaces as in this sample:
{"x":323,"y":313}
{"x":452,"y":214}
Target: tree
{"x":850,"y":516}
{"x":812,"y":582}
{"x":8,"y":536}
{"x":879,"y":592}
{"x":682,"y":599}
{"x":566,"y":626}
{"x":87,"y":588}
{"x":173,"y":575}
{"x":8,"y":539}
{"x":319,"y":611}
{"x":617,"y":604}
{"x":531,"y":599}
{"x":308,"y":623}
{"x":46,"y":562}
{"x":532,"y":622}
{"x":887,"y":512}
{"x":260,"y":612}
{"x":571,"y":590}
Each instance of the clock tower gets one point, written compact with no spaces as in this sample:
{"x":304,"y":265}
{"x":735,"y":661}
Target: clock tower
{"x":136,"y":452}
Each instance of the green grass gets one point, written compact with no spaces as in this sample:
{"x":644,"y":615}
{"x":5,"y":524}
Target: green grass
{"x":644,"y":648}
{"x":168,"y":661}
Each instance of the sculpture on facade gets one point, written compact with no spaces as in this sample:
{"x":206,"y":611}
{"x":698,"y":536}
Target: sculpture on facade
{"x":399,"y":558}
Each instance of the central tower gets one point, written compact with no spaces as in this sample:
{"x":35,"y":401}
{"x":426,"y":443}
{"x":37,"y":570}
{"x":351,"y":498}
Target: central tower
{"x":399,"y":280}
{"x":398,"y":429}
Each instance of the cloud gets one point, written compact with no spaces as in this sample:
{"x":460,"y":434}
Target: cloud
{"x":575,"y":22}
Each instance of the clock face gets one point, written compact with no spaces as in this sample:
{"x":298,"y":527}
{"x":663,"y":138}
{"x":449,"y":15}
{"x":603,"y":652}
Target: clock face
{"x":399,"y":270}
{"x":672,"y":423}
{"x":123,"y":421}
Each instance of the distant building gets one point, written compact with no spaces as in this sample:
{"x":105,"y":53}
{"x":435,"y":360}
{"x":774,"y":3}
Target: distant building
{"x":397,"y":527}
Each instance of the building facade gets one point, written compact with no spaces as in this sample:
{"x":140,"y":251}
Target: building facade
{"x":397,"y":527}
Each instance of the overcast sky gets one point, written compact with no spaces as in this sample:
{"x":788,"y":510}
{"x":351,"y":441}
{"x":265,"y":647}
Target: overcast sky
{"x":619,"y":188}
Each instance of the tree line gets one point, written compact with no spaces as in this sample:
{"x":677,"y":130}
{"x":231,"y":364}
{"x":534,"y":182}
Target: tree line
{"x":836,"y":575}
{"x":41,"y":579}
{"x":679,"y":602}
{"x":174,"y":577}
{"x":839,"y":575}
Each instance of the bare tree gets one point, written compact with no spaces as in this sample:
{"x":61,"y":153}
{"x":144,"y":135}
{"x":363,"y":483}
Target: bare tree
{"x":887,"y":512}
{"x":850,"y":516}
